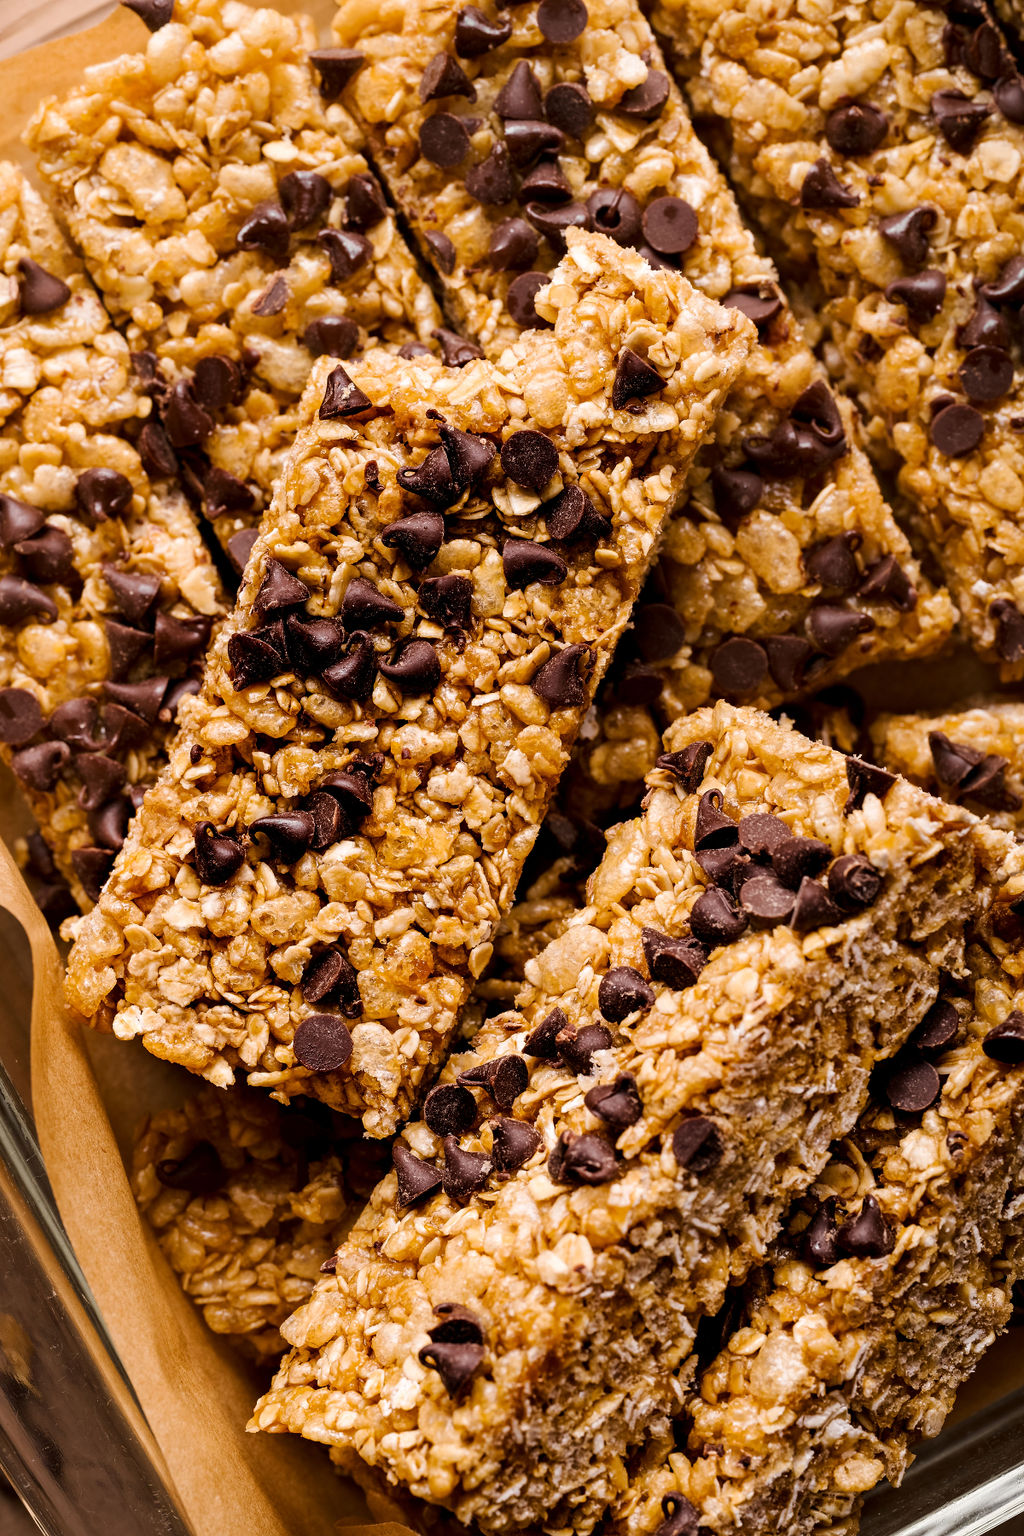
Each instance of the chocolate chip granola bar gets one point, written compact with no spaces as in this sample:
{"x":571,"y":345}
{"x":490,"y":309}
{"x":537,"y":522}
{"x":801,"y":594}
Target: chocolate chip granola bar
{"x":495,"y":131}
{"x":107,"y":593}
{"x":449,"y":562}
{"x":972,"y":756}
{"x":881,"y":147}
{"x":504,"y":1322}
{"x":223,"y":207}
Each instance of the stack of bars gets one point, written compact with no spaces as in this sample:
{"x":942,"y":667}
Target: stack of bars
{"x":613,"y":1093}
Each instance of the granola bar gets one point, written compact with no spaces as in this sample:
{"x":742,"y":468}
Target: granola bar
{"x":894,"y":1276}
{"x":225,"y":210}
{"x":107,"y":593}
{"x":420,"y":631}
{"x":497,"y":129}
{"x":504,"y":1322}
{"x":882,"y":150}
{"x":973,"y":756}
{"x":248,"y":1200}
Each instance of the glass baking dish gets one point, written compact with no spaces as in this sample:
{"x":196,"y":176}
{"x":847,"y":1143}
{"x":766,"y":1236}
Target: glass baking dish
{"x":94,"y":1465}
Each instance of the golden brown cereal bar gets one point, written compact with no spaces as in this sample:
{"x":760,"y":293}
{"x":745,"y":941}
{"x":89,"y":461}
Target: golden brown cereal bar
{"x":894,"y":1275}
{"x":424,"y":621}
{"x":882,"y":150}
{"x":495,"y":130}
{"x":107,"y":594}
{"x":972,"y":756}
{"x":505,"y":1322}
{"x":223,"y":207}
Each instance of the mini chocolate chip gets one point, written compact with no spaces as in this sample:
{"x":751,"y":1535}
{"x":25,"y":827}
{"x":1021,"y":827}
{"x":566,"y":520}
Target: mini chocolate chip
{"x":822,"y":189}
{"x":853,"y":882}
{"x":331,"y":336}
{"x":346,"y":251}
{"x":216,"y":382}
{"x":788,"y":656}
{"x":413,"y":666}
{"x":432,"y":479}
{"x":814,"y":908}
{"x":327,"y":821}
{"x":576,"y":1047}
{"x":795,"y":857}
{"x":623,"y":991}
{"x":832,"y":564}
{"x":41,"y":291}
{"x":866,"y":1235}
{"x":266,"y":230}
{"x":855,"y":128}
{"x":342,"y":397}
{"x":330,"y":974}
{"x":417,"y":1180}
{"x":504,"y":1078}
{"x":463,"y":1173}
{"x":91,"y":867}
{"x":583,"y":1159}
{"x":329,"y":1265}
{"x":959,"y":119}
{"x":20,"y":716}
{"x":492,"y":182}
{"x":572,"y":517}
{"x":135,"y":592}
{"x":1008,"y":287}
{"x":646,"y":99}
{"x":553,"y":222}
{"x":739,"y":666}
{"x":179,"y":639}
{"x":322,"y":1042}
{"x":938,"y":1029}
{"x":456,"y":1364}
{"x":834,"y":629}
{"x":618,"y":1103}
{"x":676,"y":962}
{"x":712,"y":829}
{"x":365,"y":205}
{"x":519,"y":97}
{"x":819,"y":1241}
{"x":562,"y":21}
{"x":513,"y":1143}
{"x":218,"y":855}
{"x":313,"y":644}
{"x":456,"y":351}
{"x":279,"y":590}
{"x":199,"y":1172}
{"x":443,"y":249}
{"x":520,"y":300}
{"x":986,"y":374}
{"x":458,"y":1325}
{"x":560,"y":681}
{"x":444,"y":141}
{"x":670,"y":225}
{"x":615,"y":212}
{"x":256,"y":656}
{"x":762,"y":833}
{"x":449,"y":1110}
{"x":887,"y":582}
{"x":48,"y":556}
{"x":1008,"y":95}
{"x":908,"y":232}
{"x":542,"y":1042}
{"x":143,"y":699}
{"x":715,"y":918}
{"x":290,"y":833}
{"x":758,"y":305}
{"x":417,"y":537}
{"x":336,"y":67}
{"x":273,"y":298}
{"x":865,"y":779}
{"x":697,"y":1144}
{"x":527,"y":141}
{"x":688,"y":765}
{"x":364,"y":607}
{"x":20,"y":601}
{"x":570,"y":108}
{"x":525,"y":562}
{"x":39,"y":767}
{"x":986,"y":327}
{"x":305,"y":197}
{"x":447,"y":600}
{"x":469,"y":455}
{"x":476,"y":34}
{"x":158,"y":457}
{"x":513,"y":246}
{"x":956,"y":430}
{"x":912,"y":1086}
{"x":923,"y":294}
{"x":1005,"y":1042}
{"x":101,"y":494}
{"x":445,"y":76}
{"x":736,"y":492}
{"x":634,"y":380}
{"x":18,"y":521}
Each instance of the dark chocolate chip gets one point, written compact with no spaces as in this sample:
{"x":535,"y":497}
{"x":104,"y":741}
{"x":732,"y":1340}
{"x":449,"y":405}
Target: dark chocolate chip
{"x":413,"y":666}
{"x":322,"y":1042}
{"x":525,"y":562}
{"x":256,"y":656}
{"x":956,"y":430}
{"x":492,"y":181}
{"x":463,"y":1173}
{"x":923,"y":294}
{"x":582,"y":1160}
{"x":572,"y":517}
{"x":794,"y":857}
{"x":20,"y":716}
{"x":327,"y":820}
{"x":739,"y":666}
{"x":819,"y":1242}
{"x":346,"y":250}
{"x":647,"y":99}
{"x":1008,"y":287}
{"x":670,"y":225}
{"x":912,"y":1086}
{"x":48,"y":557}
{"x":179,"y":639}
{"x":92,"y":866}
{"x":417,"y":537}
{"x":788,"y":656}
{"x":458,"y":1325}
{"x":279,"y":590}
{"x":199,"y":1172}
{"x":681,"y":1518}
{"x":562,"y":21}
{"x":476,"y":34}
{"x":289,"y":833}
{"x":984,"y":53}
{"x":223,"y":492}
{"x":715,"y":918}
{"x":39,"y":767}
{"x":109,"y":823}
{"x":765,"y":897}
{"x":736,"y":492}
{"x":218,"y":855}
{"x":18,"y":521}
{"x":675,"y":962}
{"x":576,"y":1047}
{"x":634,"y":380}
{"x":445,"y":76}
{"x":342,"y":397}
{"x":887,"y":582}
{"x":181,"y":688}
{"x":158,"y":457}
{"x":560,"y":681}
{"x":456,"y":1364}
{"x":806,"y":441}
{"x":618,"y":1104}
{"x":305,"y":197}
{"x":266,"y":230}
{"x":761,"y":833}
{"x":101,"y":494}
{"x":866,"y":1235}
{"x":519,"y":97}
{"x":959,"y":119}
{"x":313,"y":644}
{"x":21,"y":601}
{"x":986,"y":374}
{"x":364,"y":607}
{"x":986,"y":327}
{"x":143,"y":699}
{"x":41,"y":291}
{"x":417,"y":1180}
{"x":513,"y":245}
{"x":513,"y":1143}
{"x":760,"y":303}
{"x":528,"y":140}
{"x":331,"y":975}
{"x":449,"y":1110}
{"x":689,"y":765}
{"x":908,"y":232}
{"x":504,"y":1078}
{"x":444,"y":141}
{"x":822,"y":189}
{"x":1009,"y":623}
{"x":697,"y":1144}
{"x":1008,"y":95}
{"x":865,"y":779}
{"x":443,"y":249}
{"x":456,"y":351}
{"x":1005,"y":1042}
{"x":124,"y":647}
{"x":658,"y":631}
{"x":543,"y":1041}
{"x":336,"y":67}
{"x":855,"y":128}
{"x":622,"y":992}
{"x":553,"y":222}
{"x":331,"y":336}
{"x":447,"y":600}
{"x":273,"y":298}
{"x":155,"y":13}
{"x":520,"y":300}
{"x":938,"y":1029}
{"x":713,"y":829}
{"x":469,"y":454}
{"x":570,"y":108}
{"x":217,"y":382}
{"x":432,"y":479}
{"x":832,"y":564}
{"x":814,"y":907}
{"x":853,"y":882}
{"x":834,"y":629}
{"x":615,"y":212}
{"x":135,"y":592}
